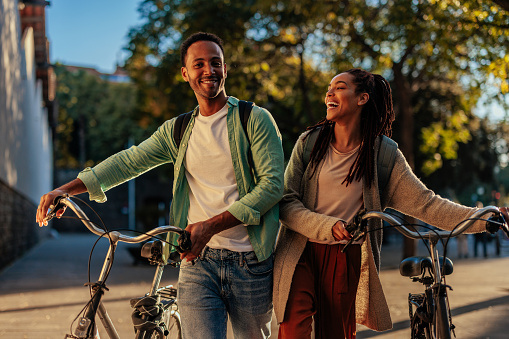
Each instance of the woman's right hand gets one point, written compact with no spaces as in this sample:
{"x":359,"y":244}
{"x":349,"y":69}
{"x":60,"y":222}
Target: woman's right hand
{"x":339,"y":231}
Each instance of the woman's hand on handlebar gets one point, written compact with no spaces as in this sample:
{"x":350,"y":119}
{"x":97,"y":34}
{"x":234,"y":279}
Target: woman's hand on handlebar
{"x":505,"y":213}
{"x":339,"y":231}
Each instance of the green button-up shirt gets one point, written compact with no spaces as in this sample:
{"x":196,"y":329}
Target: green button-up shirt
{"x":260,"y":188}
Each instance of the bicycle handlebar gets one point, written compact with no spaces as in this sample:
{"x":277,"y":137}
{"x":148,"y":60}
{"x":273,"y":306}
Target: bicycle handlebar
{"x":465,"y":225}
{"x":65,"y":201}
{"x":357,"y":228}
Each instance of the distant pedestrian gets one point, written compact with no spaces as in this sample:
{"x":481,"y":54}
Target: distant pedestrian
{"x":462,"y":240}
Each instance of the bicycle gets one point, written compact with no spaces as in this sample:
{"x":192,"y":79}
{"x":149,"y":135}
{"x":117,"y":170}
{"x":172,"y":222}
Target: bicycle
{"x":429,"y":312}
{"x":156,"y":314}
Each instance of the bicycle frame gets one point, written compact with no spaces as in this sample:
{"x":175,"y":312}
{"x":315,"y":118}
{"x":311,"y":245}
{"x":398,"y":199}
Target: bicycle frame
{"x":96,"y":305}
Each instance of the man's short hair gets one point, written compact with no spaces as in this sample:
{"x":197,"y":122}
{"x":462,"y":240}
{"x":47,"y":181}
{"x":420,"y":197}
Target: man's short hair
{"x":200,"y":36}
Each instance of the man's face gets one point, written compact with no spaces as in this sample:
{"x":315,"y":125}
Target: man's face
{"x":205,"y":69}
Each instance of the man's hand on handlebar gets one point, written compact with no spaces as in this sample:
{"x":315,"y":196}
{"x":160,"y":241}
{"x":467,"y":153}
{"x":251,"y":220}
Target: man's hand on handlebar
{"x":72,"y":188}
{"x":202,"y":231}
{"x":200,"y":235}
{"x":46,"y":204}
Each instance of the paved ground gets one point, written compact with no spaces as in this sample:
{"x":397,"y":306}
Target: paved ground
{"x":42,"y":293}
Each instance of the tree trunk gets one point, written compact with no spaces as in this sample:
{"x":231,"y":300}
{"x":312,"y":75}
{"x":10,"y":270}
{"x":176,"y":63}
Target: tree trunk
{"x":306,"y":105}
{"x":403,"y":93}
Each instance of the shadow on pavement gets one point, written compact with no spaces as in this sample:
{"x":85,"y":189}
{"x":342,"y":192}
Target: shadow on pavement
{"x":402,"y":325}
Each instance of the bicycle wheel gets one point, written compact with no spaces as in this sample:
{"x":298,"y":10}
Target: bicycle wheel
{"x":442,"y":318}
{"x":421,"y":316}
{"x":420,"y":329}
{"x":171,"y":319}
{"x":174,"y":327}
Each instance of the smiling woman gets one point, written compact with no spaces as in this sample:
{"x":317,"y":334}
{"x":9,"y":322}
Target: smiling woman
{"x":317,"y":279}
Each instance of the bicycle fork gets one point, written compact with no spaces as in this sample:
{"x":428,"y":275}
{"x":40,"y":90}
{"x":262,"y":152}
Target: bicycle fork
{"x":440,"y":291}
{"x":84,"y":330}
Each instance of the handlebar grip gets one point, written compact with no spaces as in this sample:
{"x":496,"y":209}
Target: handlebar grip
{"x":184,"y":242}
{"x":55,"y":207}
{"x":494,"y":223}
{"x":351,"y":228}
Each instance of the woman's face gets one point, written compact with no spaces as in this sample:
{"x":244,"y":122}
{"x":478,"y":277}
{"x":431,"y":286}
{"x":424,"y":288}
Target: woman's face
{"x":341,"y":100}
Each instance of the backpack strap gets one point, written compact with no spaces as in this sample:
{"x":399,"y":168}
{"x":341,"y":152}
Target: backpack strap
{"x":386,"y":159}
{"x":245,"y":108}
{"x":180,"y":127}
{"x":308,"y":145}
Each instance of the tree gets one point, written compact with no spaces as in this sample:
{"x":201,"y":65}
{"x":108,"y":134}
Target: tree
{"x":420,"y":45}
{"x":96,"y":118}
{"x":283,"y":53}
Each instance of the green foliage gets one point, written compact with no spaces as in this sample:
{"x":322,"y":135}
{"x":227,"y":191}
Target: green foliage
{"x":440,"y":56}
{"x":96,"y":118}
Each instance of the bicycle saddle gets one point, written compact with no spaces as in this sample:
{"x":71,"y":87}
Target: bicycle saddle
{"x":415,"y":266}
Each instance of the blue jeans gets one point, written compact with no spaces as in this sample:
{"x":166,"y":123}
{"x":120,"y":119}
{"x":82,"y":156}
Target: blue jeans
{"x":222,"y":283}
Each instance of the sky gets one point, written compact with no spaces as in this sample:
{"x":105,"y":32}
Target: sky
{"x":90,"y":33}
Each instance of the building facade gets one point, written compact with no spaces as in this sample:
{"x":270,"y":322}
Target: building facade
{"x":26,"y":113}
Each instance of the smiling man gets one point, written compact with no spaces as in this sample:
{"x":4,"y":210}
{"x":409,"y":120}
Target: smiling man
{"x":228,"y":182}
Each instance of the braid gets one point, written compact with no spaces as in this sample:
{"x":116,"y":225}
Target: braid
{"x":322,"y":142}
{"x":377,"y":116}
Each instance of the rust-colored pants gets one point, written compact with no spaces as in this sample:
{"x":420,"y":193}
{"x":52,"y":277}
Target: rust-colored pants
{"x":324,"y":286}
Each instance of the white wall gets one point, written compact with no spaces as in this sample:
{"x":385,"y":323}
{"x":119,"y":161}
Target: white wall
{"x":25,"y":137}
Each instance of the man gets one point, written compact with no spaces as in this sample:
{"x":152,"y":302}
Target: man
{"x":228,"y":204}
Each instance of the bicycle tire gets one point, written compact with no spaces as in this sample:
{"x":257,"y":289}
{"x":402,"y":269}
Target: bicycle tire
{"x":174,"y":326}
{"x":172,"y":320}
{"x":442,"y":318}
{"x":419,"y":329}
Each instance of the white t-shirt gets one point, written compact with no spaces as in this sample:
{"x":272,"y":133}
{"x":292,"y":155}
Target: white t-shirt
{"x":211,"y":178}
{"x":333,"y":197}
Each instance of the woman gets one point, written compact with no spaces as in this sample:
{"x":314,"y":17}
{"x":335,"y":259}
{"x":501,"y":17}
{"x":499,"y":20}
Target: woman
{"x":312,"y":278}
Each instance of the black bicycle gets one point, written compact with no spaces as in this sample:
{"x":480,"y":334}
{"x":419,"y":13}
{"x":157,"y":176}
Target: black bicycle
{"x":430,"y":316}
{"x":155,"y":314}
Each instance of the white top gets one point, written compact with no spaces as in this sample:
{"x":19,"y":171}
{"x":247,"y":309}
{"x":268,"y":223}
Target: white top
{"x":333,"y":197}
{"x":211,"y":178}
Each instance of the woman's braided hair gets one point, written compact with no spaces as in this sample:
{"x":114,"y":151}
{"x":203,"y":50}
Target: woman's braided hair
{"x":377,"y":116}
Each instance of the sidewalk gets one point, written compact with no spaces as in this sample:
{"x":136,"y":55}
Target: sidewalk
{"x":41,"y":293}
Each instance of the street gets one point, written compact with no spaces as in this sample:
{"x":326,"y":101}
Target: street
{"x":42,"y":293}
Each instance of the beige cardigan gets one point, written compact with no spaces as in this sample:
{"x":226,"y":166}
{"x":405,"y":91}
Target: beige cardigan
{"x":404,"y":193}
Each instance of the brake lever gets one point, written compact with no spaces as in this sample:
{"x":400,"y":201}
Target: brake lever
{"x":357,"y":235}
{"x":496,"y":222}
{"x":357,"y":229}
{"x":347,"y":245}
{"x":55,"y":207}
